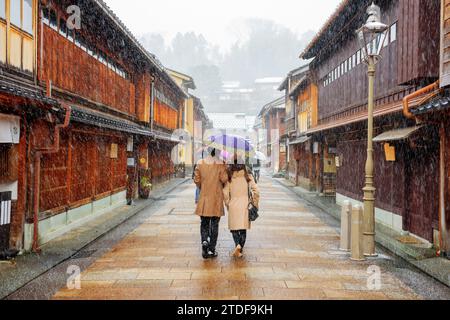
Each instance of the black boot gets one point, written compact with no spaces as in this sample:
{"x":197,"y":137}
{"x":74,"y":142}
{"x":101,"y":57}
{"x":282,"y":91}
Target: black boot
{"x":205,"y":249}
{"x":212,"y":254}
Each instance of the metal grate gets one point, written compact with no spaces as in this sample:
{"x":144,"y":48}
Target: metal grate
{"x":5,"y":208}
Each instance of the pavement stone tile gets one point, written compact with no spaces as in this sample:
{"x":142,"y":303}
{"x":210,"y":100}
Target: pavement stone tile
{"x":291,"y":253}
{"x":297,"y":294}
{"x":354,"y":295}
{"x":164,"y":276}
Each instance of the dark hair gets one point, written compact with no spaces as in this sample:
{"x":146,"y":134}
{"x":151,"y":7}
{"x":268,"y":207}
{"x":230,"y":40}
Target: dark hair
{"x":212,"y":151}
{"x":237,"y":168}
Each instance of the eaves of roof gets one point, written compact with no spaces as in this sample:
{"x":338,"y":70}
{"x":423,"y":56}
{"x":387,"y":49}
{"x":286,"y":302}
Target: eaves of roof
{"x":438,"y":104}
{"x":362,"y":116}
{"x":335,"y":24}
{"x":29,"y":94}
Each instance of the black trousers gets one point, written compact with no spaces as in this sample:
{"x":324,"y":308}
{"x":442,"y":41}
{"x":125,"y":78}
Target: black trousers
{"x":209,"y":230}
{"x":240,"y":237}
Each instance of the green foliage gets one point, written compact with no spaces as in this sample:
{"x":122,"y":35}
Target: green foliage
{"x":146,"y":183}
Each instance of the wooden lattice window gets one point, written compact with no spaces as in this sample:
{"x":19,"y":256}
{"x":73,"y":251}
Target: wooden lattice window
{"x":4,"y":161}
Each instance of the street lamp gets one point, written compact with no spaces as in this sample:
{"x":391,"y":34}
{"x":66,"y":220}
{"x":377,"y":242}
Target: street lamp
{"x":371,"y":36}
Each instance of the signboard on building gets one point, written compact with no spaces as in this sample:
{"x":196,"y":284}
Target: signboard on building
{"x":316,"y":148}
{"x":329,"y":165}
{"x":130,"y":144}
{"x":9,"y":129}
{"x":389,"y":152}
{"x":114,"y":151}
{"x":130,"y":162}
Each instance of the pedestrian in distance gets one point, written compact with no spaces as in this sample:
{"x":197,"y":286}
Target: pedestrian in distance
{"x":197,"y":189}
{"x":210,"y":175}
{"x":240,"y":190}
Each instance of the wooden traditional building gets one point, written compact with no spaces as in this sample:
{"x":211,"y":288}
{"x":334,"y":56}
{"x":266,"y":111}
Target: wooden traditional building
{"x":194,"y":121}
{"x":201,"y":125}
{"x":21,"y":103}
{"x":406,"y":156}
{"x":273,"y":118}
{"x":97,"y":112}
{"x":301,"y":97}
{"x":434,"y":111}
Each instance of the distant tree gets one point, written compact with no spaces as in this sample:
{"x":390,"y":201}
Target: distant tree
{"x":269,"y":50}
{"x":155,"y":44}
{"x":266,"y":49}
{"x":207,"y":78}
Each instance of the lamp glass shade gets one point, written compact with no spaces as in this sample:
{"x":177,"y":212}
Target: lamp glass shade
{"x":372,"y":35}
{"x":372,"y":39}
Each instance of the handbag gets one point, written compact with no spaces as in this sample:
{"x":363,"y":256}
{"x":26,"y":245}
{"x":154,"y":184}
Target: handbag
{"x":252,"y":210}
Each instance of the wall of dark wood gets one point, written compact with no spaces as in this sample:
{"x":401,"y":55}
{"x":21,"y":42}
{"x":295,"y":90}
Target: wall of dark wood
{"x":82,"y":170}
{"x":419,"y":40}
{"x":389,"y":176}
{"x":350,"y":90}
{"x":73,"y":70}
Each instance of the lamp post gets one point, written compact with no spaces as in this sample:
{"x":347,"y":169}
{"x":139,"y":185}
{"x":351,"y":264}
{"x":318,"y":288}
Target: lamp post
{"x":371,"y":36}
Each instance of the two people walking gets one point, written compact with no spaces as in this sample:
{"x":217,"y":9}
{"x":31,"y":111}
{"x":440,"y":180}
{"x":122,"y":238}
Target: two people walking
{"x":221,"y":185}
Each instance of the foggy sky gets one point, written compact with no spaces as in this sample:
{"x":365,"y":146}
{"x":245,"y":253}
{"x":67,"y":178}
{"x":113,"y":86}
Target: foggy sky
{"x":221,"y":22}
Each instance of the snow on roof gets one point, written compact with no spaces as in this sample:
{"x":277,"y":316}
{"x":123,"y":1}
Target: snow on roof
{"x":232,"y":120}
{"x":269,"y":80}
{"x":231,"y":84}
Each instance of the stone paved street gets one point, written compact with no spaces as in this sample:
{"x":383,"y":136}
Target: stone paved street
{"x":291,"y":254}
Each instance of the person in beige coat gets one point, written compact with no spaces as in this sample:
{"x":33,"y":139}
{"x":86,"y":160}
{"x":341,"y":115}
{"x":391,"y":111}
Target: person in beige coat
{"x":236,"y":197}
{"x":210,"y":175}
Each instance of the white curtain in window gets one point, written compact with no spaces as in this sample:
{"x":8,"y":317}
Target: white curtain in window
{"x":28,"y":16}
{"x":15,"y":12}
{"x":394,"y":32}
{"x":2,"y":9}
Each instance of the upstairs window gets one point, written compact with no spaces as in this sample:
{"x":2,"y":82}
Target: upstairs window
{"x":3,"y":9}
{"x":77,"y":40}
{"x":27,"y":23}
{"x":45,"y":16}
{"x":53,"y":20}
{"x":82,"y":44}
{"x":386,"y":39}
{"x":62,"y":28}
{"x":393,"y":32}
{"x":15,"y":8}
{"x":70,"y":35}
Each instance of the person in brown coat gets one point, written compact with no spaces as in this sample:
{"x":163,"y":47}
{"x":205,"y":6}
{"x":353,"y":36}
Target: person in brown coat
{"x":210,"y":176}
{"x":237,"y":200}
